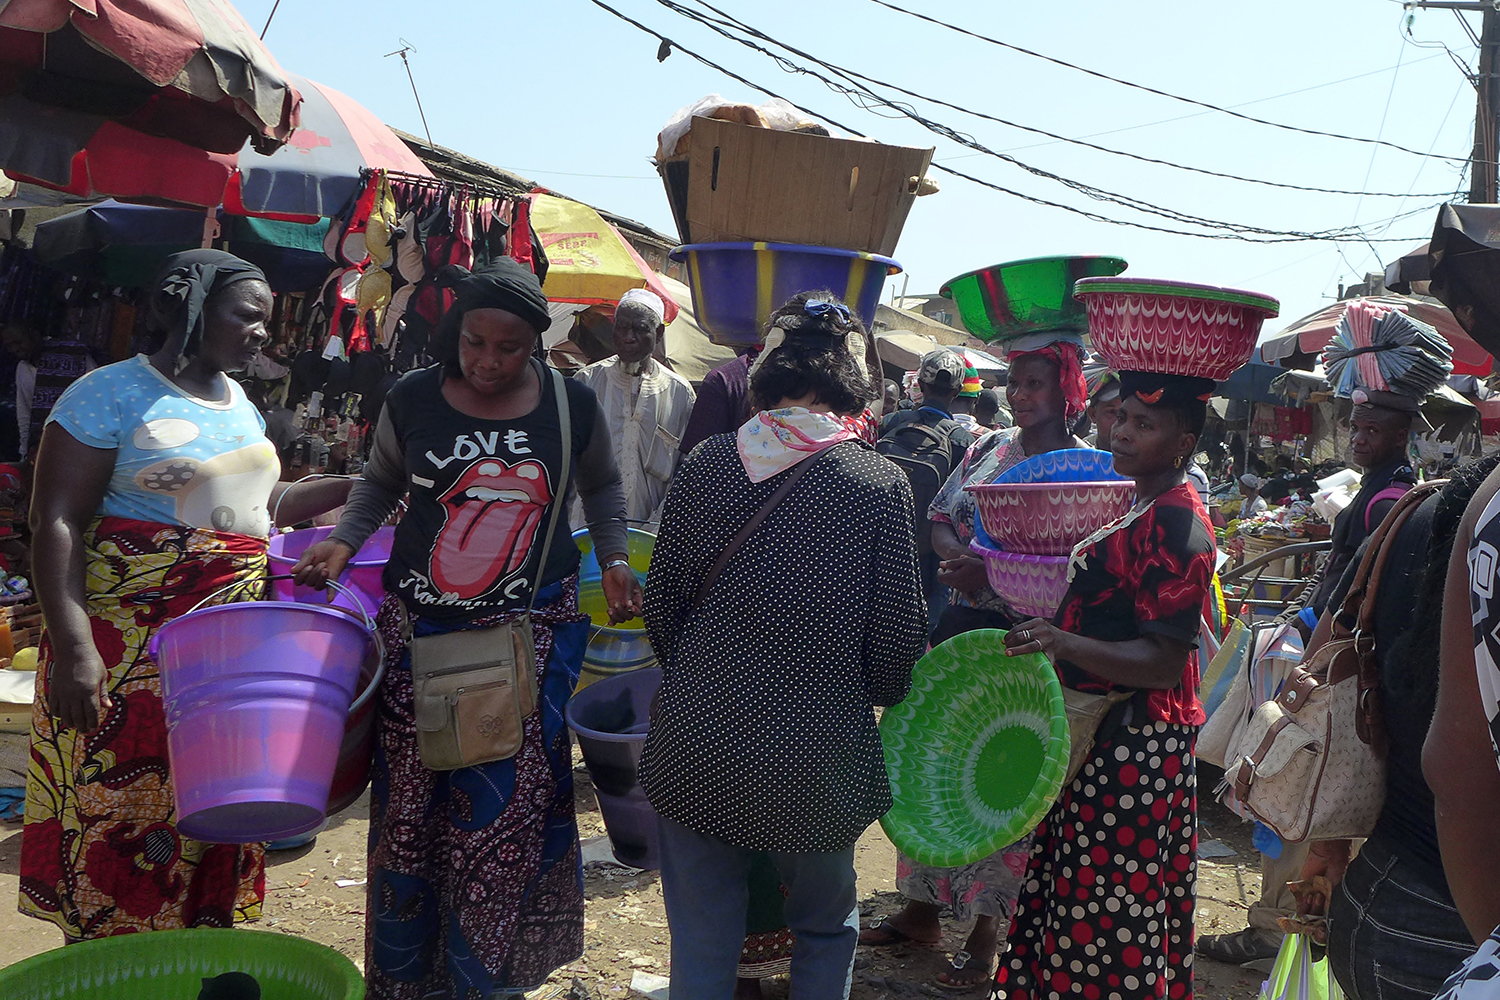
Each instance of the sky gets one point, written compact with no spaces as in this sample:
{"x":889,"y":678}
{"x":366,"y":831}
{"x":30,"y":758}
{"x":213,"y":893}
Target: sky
{"x":565,"y":93}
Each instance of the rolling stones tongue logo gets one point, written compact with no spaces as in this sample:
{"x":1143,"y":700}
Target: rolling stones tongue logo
{"x":493,"y":511}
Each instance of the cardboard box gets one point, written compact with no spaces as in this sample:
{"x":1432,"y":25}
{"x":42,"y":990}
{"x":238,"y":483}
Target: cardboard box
{"x":742,"y":183}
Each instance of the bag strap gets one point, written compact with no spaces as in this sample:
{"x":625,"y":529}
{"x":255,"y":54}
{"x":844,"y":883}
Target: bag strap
{"x":559,"y":495}
{"x":1369,"y":724}
{"x":750,"y":526}
{"x":1389,"y":493}
{"x":1358,"y":610}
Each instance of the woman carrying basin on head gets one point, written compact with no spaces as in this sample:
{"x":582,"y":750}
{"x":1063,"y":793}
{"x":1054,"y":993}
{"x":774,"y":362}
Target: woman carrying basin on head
{"x":153,"y":483}
{"x":1046,"y":393}
{"x":476,"y":883}
{"x":1109,"y":893}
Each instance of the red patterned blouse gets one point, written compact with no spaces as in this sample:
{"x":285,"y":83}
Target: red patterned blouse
{"x":1153,"y":576}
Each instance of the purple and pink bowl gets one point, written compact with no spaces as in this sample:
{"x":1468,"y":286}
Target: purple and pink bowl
{"x":1048,"y":519}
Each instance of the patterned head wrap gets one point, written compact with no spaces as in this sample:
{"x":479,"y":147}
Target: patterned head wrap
{"x":183,"y":287}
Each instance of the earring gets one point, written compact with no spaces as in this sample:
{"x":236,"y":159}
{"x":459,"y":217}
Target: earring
{"x":1178,"y":463}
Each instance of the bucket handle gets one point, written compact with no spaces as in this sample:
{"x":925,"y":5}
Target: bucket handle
{"x":377,"y":680}
{"x":276,"y":507}
{"x":364,"y":616}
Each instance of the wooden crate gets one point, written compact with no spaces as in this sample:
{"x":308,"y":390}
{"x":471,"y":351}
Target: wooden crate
{"x":25,"y":622}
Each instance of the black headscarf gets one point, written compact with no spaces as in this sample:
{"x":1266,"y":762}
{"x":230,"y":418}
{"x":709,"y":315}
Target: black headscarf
{"x":501,"y":284}
{"x":183,"y":286}
{"x":1183,"y":393}
{"x":1155,"y":389}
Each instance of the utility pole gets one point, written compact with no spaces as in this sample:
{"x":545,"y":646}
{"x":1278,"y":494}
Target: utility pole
{"x":1482,"y":175}
{"x":1484,"y":183}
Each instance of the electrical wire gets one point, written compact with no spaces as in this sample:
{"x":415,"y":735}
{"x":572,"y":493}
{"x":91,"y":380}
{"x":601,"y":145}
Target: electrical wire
{"x":1150,"y":90}
{"x":1269,"y":236}
{"x":861,"y":97}
{"x":848,"y":73}
{"x":1200,"y":114}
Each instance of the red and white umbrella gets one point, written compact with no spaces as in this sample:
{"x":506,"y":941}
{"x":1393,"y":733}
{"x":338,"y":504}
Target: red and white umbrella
{"x":188,"y":70}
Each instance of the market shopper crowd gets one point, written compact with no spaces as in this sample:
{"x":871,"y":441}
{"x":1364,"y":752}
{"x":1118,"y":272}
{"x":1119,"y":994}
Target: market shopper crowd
{"x":808,"y":552}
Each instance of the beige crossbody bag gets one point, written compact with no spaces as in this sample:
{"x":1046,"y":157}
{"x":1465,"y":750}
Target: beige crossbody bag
{"x":473,"y":689}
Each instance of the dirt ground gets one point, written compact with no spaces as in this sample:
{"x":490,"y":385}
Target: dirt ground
{"x":625,"y":922}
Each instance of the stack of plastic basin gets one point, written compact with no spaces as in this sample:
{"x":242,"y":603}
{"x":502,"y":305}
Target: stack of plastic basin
{"x":612,"y":649}
{"x":611,"y":719}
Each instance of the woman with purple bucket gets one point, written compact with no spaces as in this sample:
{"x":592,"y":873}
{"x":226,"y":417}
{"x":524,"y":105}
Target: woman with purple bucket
{"x":153,"y":488}
{"x":476,"y":884}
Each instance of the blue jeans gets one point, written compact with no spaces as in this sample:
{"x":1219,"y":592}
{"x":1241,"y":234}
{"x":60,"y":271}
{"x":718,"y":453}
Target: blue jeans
{"x":706,"y":884}
{"x":1391,"y":934}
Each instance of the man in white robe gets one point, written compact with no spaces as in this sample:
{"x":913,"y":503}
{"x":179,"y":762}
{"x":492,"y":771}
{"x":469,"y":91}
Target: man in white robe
{"x":646,"y":403}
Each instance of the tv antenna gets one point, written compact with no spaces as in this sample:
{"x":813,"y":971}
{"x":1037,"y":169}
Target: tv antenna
{"x":402,"y":51}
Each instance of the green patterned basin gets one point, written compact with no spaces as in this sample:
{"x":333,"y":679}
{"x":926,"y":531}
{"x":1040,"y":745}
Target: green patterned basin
{"x":976,"y":753}
{"x":166,"y":965}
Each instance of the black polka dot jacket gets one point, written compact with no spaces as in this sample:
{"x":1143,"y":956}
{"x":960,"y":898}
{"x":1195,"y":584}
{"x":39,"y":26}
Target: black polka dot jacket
{"x":765,"y":729}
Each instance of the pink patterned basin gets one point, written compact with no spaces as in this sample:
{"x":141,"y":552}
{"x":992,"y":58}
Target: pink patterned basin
{"x":1048,"y":519}
{"x":1144,"y":324}
{"x":1033,"y":585}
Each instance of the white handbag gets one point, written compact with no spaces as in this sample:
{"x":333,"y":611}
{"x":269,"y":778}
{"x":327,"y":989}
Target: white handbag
{"x":1310,"y":762}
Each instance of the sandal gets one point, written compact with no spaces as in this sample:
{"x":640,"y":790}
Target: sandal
{"x":893,"y":935}
{"x":959,"y":963}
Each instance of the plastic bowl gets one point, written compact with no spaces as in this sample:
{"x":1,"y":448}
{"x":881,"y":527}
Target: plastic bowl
{"x":1032,"y":585}
{"x":1067,"y":465}
{"x":1146,"y":324}
{"x":612,"y":649}
{"x":1026,"y":296}
{"x":736,"y":286}
{"x":977,"y":752}
{"x":175,"y":963}
{"x":1048,"y":519}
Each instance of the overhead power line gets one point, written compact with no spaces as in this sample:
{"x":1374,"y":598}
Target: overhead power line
{"x":862,"y":96}
{"x":728,"y":19}
{"x":1152,"y":90}
{"x":1247,"y":234}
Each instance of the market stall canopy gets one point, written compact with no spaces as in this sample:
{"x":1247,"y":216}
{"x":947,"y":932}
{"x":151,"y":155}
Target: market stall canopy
{"x":188,"y":70}
{"x":588,"y":261}
{"x":1298,"y":345}
{"x":1252,"y":382}
{"x":314,"y":175}
{"x":126,"y":244}
{"x":903,"y":348}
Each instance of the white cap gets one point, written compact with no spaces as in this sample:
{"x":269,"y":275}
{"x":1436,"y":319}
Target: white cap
{"x":649,"y":299}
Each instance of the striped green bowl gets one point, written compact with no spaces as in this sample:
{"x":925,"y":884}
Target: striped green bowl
{"x":976,"y":753}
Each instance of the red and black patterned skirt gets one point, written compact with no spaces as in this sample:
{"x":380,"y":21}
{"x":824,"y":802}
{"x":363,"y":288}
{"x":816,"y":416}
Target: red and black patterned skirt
{"x":1106,"y":912}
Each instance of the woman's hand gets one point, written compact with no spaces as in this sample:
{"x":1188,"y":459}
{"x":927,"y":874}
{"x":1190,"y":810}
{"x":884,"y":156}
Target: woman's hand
{"x":76,"y":694}
{"x":964,"y":574}
{"x":1037,"y":635}
{"x":1330,"y":860}
{"x":622,"y":591}
{"x":322,"y":562}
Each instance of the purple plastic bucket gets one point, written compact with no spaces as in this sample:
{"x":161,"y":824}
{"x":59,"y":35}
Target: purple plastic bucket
{"x":362,"y":575}
{"x":257,"y":696}
{"x":611,"y":718}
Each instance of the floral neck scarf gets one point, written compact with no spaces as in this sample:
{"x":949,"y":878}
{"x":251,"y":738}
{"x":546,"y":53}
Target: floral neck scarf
{"x":773,"y":441}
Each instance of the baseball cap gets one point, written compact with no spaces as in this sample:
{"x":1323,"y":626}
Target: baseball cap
{"x":941,"y":368}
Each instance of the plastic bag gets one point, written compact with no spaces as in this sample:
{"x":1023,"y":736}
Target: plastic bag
{"x":1295,"y":976}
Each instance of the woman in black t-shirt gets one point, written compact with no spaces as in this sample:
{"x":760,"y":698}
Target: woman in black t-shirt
{"x":475,"y":876}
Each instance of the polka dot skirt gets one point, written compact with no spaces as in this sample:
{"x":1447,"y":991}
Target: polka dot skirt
{"x":1107,"y":909}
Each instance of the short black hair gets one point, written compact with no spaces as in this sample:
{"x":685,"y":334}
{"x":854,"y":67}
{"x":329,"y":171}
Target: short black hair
{"x":812,"y":359}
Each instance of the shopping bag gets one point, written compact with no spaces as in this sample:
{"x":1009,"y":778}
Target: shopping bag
{"x":1223,"y":665}
{"x":1295,"y":976}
